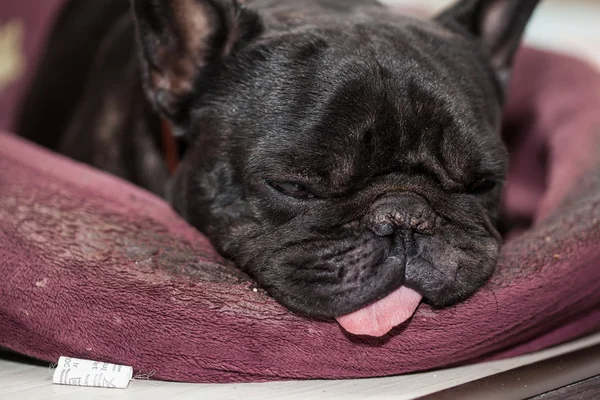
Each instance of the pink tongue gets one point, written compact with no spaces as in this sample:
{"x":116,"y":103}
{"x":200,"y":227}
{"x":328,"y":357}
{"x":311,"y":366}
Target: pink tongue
{"x":380,"y":317}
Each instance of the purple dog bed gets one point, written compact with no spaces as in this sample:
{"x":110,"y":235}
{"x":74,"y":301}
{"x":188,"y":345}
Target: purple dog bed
{"x":95,"y":268}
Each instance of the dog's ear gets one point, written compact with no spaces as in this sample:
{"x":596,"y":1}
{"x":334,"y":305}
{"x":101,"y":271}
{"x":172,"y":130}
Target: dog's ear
{"x":181,"y":41}
{"x":498,"y":24}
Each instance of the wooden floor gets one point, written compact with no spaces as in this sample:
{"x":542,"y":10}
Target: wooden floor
{"x":22,"y":381}
{"x":588,"y":389}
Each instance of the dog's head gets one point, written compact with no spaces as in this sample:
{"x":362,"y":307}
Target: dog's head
{"x":350,"y":161}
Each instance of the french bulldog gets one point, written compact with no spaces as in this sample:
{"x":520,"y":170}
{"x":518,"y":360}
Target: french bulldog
{"x":347,"y":157}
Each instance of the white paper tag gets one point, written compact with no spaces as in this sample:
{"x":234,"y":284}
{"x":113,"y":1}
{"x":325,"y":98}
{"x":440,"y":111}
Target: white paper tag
{"x":77,"y":372}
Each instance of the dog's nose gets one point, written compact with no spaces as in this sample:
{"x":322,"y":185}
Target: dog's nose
{"x":393,"y":212}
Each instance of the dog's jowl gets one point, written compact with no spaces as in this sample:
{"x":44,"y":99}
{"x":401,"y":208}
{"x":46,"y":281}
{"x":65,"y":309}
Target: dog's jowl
{"x":347,"y":157}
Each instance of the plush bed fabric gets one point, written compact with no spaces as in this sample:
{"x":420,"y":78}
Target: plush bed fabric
{"x":93,"y":267}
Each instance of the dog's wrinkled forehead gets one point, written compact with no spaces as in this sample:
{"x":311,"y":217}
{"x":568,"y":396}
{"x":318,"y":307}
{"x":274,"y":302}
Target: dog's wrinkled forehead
{"x":343,"y":116}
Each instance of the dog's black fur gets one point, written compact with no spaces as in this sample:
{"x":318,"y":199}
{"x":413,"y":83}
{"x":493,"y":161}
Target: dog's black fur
{"x":333,"y":149}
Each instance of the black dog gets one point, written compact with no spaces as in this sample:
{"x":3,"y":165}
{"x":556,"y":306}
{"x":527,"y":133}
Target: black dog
{"x":348,"y":158}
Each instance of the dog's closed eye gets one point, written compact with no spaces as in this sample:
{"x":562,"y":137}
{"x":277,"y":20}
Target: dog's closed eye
{"x":292,"y":189}
{"x":484,"y":186}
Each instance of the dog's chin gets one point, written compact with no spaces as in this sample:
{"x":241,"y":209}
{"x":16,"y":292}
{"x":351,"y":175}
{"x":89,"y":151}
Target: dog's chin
{"x":325,"y":279}
{"x":373,"y":285}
